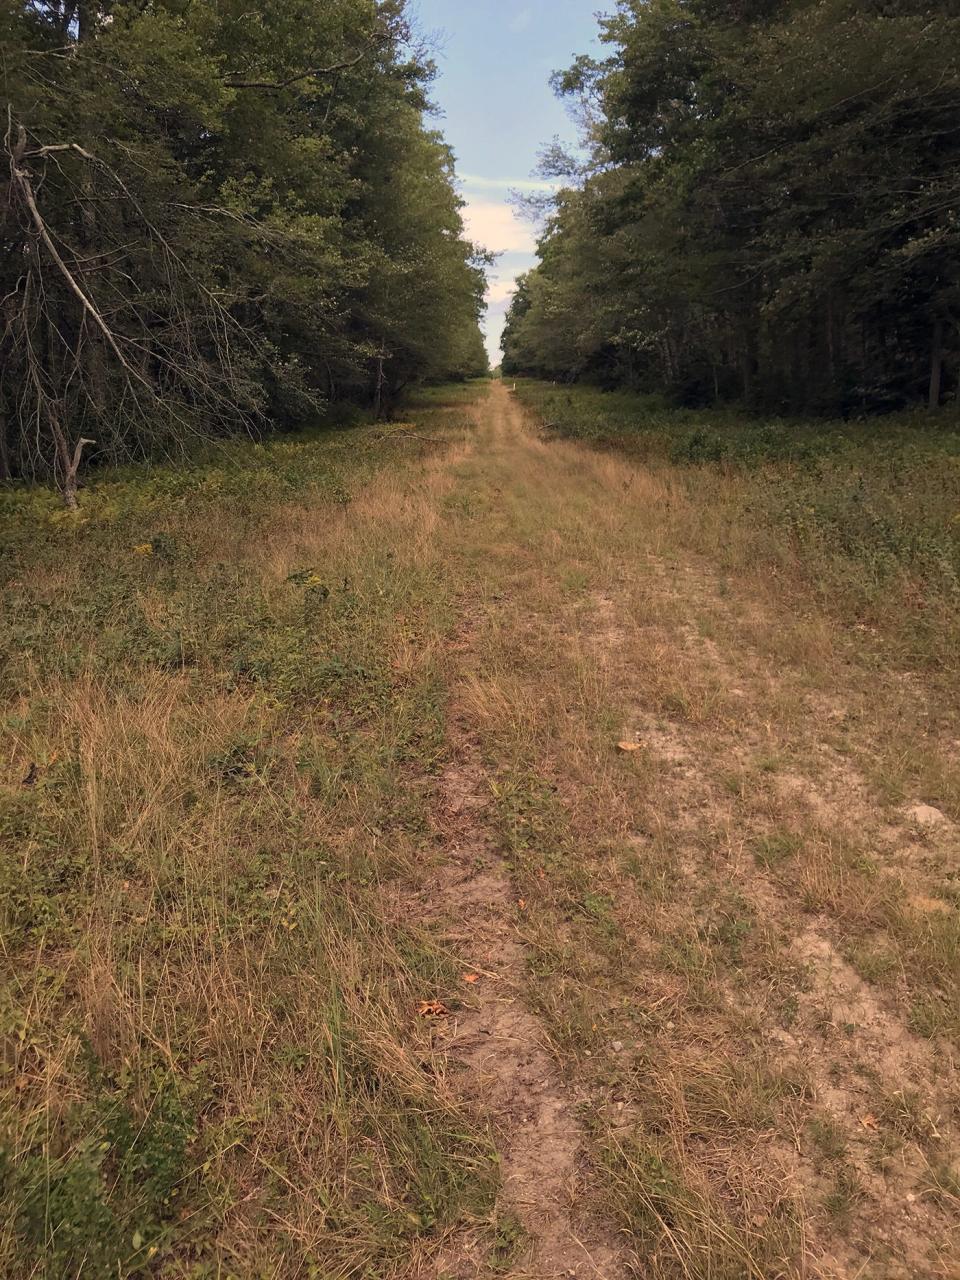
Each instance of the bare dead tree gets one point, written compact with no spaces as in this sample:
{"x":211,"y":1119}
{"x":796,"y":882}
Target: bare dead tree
{"x":176,"y":357}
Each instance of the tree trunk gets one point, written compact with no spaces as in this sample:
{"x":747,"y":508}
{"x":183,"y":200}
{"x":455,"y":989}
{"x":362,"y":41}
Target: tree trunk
{"x":936,"y":364}
{"x":86,"y":20}
{"x":748,"y":370}
{"x":68,"y":472}
{"x":94,"y":359}
{"x":6,"y":472}
{"x":70,"y":463}
{"x":378,"y":394}
{"x":834,"y":390}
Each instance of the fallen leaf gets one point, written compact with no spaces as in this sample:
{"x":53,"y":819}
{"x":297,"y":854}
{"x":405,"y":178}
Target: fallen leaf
{"x":869,"y":1122}
{"x":628,"y":747}
{"x":432,"y":1009}
{"x":522,"y":904}
{"x":471,"y":977}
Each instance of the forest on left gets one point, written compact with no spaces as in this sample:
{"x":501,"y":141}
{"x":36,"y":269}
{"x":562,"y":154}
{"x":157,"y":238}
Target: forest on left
{"x":218,"y":219}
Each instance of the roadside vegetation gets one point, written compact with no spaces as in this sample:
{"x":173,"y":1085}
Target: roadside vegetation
{"x":222,"y":704}
{"x":862,"y":516}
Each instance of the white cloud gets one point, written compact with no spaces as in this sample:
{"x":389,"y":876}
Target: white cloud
{"x":498,"y":228}
{"x":474,"y":182}
{"x":496,"y":225}
{"x":500,"y":291}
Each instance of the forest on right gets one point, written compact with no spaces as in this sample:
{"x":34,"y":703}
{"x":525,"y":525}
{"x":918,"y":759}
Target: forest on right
{"x":766,"y":212}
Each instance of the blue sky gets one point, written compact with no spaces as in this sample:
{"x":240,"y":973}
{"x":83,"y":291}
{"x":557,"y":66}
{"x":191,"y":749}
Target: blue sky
{"x":495,"y":58}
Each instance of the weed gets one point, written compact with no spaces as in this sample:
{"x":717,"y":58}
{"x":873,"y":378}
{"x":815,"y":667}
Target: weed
{"x":944,"y":1183}
{"x":829,"y":1138}
{"x":905,"y":1111}
{"x":508,"y":1238}
{"x":770,"y":851}
{"x":844,"y":1196}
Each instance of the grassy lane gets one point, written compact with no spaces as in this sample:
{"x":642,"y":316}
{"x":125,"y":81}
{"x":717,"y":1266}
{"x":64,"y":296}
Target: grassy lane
{"x":224,"y":698}
{"x":449,"y":856}
{"x":741,"y":937}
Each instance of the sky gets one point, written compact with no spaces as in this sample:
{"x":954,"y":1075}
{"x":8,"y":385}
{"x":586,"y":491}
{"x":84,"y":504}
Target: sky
{"x":498,"y":111}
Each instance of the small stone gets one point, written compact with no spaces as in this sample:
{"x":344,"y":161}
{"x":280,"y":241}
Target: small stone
{"x":670,"y":1026}
{"x":617,"y":1046}
{"x":925,"y":815}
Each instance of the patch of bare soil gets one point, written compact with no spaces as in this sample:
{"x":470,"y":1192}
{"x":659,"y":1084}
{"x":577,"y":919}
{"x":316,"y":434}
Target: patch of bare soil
{"x":498,"y":1059}
{"x":846,"y":1037}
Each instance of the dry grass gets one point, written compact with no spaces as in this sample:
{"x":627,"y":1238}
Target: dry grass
{"x":738,"y":942}
{"x":725,"y":906}
{"x":212,"y":1059}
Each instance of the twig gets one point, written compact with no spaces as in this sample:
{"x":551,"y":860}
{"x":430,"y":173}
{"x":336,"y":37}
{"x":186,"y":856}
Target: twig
{"x":406,"y":435}
{"x":275,"y":86}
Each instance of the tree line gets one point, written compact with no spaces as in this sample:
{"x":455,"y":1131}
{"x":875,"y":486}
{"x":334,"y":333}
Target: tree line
{"x":218,"y":217}
{"x":769,"y":210}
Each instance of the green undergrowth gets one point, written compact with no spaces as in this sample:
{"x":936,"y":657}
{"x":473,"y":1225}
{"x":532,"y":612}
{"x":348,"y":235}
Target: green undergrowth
{"x":223,"y":702}
{"x":245,"y":474}
{"x":865,"y":514}
{"x":445,"y":395}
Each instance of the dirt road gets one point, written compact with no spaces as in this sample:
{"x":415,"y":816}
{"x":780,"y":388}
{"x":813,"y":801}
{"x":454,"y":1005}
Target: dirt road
{"x":420,"y":864}
{"x":649,"y":822}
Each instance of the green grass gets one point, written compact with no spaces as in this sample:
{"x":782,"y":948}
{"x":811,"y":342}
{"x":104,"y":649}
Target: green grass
{"x":223,"y":707}
{"x":863,"y":516}
{"x":445,"y":395}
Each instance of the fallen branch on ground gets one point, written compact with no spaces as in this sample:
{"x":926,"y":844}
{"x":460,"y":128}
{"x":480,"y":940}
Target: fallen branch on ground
{"x":406,"y":435}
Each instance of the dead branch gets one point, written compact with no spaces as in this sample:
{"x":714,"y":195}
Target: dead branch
{"x":405,"y":435}
{"x":274,"y":86}
{"x":21,"y":180}
{"x":177,"y":366}
{"x":72,"y":469}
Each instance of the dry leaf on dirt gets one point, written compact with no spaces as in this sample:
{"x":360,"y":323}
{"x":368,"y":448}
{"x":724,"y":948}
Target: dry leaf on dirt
{"x":471,"y":977}
{"x":432,"y":1009}
{"x":522,"y":904}
{"x":869,"y":1122}
{"x":628,"y":747}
